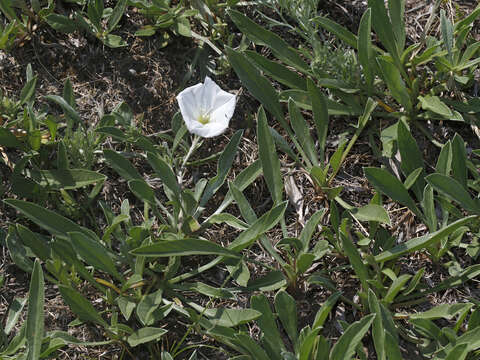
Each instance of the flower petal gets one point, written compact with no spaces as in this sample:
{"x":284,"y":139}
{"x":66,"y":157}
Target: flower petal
{"x":188,"y":101}
{"x":224,"y":113}
{"x":209,"y":130}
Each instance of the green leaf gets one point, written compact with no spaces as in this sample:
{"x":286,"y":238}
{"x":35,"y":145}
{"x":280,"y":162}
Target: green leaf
{"x":444,"y":311}
{"x":397,"y":10}
{"x":371,"y":212}
{"x":261,"y":36}
{"x":7,"y":139}
{"x":355,"y":259}
{"x":256,"y":83}
{"x":231,"y":317}
{"x":286,"y":309}
{"x":269,"y":158}
{"x":412,"y":158}
{"x":61,"y":23}
{"x":454,"y":190}
{"x":389,"y":185}
{"x":142,"y":190}
{"x":81,"y":306}
{"x":116,"y":15}
{"x":458,"y":352}
{"x":459,"y":160}
{"x":272,"y":338}
{"x":121,"y":165}
{"x":208,"y":290}
{"x":364,"y":45}
{"x":67,"y":109}
{"x":95,"y":11}
{"x":274,"y":280}
{"x":183,"y":247}
{"x":444,"y":161}
{"x":14,"y":312}
{"x":447,"y":34}
{"x":28,"y":91}
{"x":251,"y":347}
{"x":94,"y":253}
{"x":223,"y":167}
{"x":395,"y":288}
{"x":325,"y":310}
{"x":395,"y":83}
{"x":378,"y":331}
{"x":7,"y":10}
{"x":145,"y":335}
{"x":114,"y":41}
{"x":67,"y":179}
{"x":263,"y":224}
{"x":468,"y":19}
{"x":412,"y":178}
{"x":422,"y":241}
{"x":148,"y":306}
{"x":17,"y":251}
{"x":302,"y":133}
{"x":344,"y":349}
{"x":342,"y":33}
{"x":436,"y":105}
{"x":310,"y":228}
{"x":414,"y":282}
{"x":47,"y":219}
{"x":35,"y":313}
{"x":320,"y":116}
{"x":384,"y":28}
{"x":36,"y":242}
{"x":165,"y":173}
{"x":242,"y":180}
{"x":277,"y":71}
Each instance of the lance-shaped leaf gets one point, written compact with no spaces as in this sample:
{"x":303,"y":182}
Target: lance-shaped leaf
{"x":94,"y":253}
{"x":454,"y":190}
{"x":269,"y":158}
{"x":49,"y":220}
{"x":365,"y":53}
{"x":121,"y":165}
{"x":261,"y":36}
{"x":35,"y":316}
{"x":256,"y":83}
{"x":344,"y":349}
{"x":389,"y":185}
{"x":263,"y":224}
{"x":271,"y":336}
{"x":223,"y":167}
{"x":81,"y":306}
{"x":422,"y":241}
{"x":183,"y":247}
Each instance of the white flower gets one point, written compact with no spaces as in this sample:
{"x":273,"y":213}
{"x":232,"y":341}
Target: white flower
{"x":206,"y":108}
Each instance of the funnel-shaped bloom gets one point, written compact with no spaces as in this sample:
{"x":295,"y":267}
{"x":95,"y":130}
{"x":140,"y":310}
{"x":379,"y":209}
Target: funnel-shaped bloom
{"x":206,"y":108}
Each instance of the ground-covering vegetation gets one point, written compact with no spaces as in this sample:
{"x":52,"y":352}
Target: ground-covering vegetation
{"x":336,"y":218}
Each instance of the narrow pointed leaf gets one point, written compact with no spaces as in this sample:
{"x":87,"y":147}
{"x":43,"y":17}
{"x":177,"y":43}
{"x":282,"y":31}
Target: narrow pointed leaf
{"x":287,"y":312}
{"x":47,"y":219}
{"x":261,"y":36}
{"x":81,"y":306}
{"x":223,"y":167}
{"x":269,"y":158}
{"x":35,"y":313}
{"x":320,"y":116}
{"x":344,"y":349}
{"x":389,"y":185}
{"x":256,"y":83}
{"x":183,"y":247}
{"x":422,"y":241}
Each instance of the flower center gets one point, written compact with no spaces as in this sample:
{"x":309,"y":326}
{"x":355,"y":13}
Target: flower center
{"x":204,"y":119}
